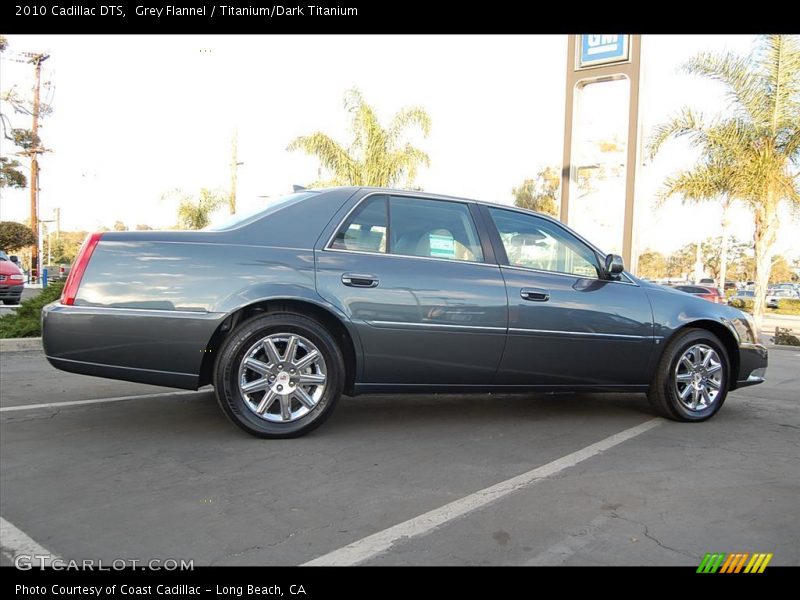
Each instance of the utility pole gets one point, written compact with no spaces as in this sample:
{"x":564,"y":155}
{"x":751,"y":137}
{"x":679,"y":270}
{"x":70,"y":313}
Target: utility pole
{"x":35,"y":150}
{"x":234,"y":171}
{"x":57,"y":215}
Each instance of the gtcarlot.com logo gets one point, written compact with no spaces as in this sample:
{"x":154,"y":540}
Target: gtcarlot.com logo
{"x":737,"y":562}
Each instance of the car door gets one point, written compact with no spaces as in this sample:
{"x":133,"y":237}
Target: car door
{"x":421,"y":287}
{"x":567,"y":325}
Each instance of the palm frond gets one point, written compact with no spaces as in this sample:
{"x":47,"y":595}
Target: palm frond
{"x":332,"y":156}
{"x":686,"y":122}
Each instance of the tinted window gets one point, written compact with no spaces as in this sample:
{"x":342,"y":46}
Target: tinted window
{"x":365,"y":229}
{"x":433,"y":229}
{"x":536,"y":243}
{"x":689,"y":289}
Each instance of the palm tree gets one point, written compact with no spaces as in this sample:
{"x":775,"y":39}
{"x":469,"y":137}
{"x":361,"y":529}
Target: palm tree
{"x":195,"y":213}
{"x":376,"y":156}
{"x":750,"y":153}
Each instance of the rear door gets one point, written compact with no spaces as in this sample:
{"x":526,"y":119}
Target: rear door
{"x":422,"y":288}
{"x":567,"y":326}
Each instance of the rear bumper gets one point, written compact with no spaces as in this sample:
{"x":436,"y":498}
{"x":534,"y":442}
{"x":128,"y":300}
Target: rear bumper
{"x":159,"y":347}
{"x":11,"y":291}
{"x":752,"y":365}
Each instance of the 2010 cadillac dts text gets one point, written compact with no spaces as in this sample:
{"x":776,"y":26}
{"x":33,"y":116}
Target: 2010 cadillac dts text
{"x":354,"y":290}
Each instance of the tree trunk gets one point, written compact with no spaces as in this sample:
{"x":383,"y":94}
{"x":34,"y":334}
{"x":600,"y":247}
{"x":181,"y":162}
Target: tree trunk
{"x":764,"y":238}
{"x":723,"y":253}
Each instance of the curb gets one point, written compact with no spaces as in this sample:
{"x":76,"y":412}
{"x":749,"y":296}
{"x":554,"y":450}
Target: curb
{"x":20,"y":344}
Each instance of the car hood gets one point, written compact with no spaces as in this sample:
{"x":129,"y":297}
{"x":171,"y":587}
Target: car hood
{"x":8,"y":268}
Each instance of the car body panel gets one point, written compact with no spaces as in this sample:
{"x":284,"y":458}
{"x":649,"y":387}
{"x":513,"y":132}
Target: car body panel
{"x":590,"y":331}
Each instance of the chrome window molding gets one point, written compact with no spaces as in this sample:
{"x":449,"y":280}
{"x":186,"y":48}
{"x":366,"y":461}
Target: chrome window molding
{"x":573,"y":276}
{"x":584,"y":333}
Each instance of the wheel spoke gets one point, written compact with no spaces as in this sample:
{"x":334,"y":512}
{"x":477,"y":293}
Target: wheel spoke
{"x":286,"y":412}
{"x":713,"y":383}
{"x":684,"y":377}
{"x":256,"y":385}
{"x":307,"y":360}
{"x":304,"y":398}
{"x":271,"y":351}
{"x":686,"y":362}
{"x":266,"y":402}
{"x":685,"y":392}
{"x":291,"y":349}
{"x":707,"y":358}
{"x":714,"y":368}
{"x":696,"y":359}
{"x":695,"y":397}
{"x":706,"y":396}
{"x":312,"y":379}
{"x":256,"y":365}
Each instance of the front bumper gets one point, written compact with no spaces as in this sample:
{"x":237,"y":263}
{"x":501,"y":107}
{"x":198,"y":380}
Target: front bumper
{"x":11,"y":291}
{"x":752,"y":365}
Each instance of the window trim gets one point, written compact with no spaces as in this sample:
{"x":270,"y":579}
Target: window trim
{"x":502,"y":256}
{"x":332,"y":240}
{"x":388,"y":194}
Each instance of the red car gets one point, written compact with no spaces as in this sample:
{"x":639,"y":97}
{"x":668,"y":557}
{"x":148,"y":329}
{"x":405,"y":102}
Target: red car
{"x":11,"y":280}
{"x":707,"y":292}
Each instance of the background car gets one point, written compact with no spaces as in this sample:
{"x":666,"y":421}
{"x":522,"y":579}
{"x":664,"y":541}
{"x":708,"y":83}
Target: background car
{"x":775,"y":295}
{"x":12,"y":280}
{"x":707,"y":292}
{"x":706,"y":281}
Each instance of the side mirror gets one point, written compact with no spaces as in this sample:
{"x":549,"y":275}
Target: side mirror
{"x":614,"y":265}
{"x":14,"y":258}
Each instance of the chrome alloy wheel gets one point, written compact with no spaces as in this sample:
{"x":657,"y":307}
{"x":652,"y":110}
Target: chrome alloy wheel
{"x":699,"y":377}
{"x":282,"y":377}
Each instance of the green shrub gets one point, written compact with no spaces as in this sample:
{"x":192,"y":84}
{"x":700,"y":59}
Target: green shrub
{"x":26,"y":321}
{"x":788,"y":306}
{"x":745,"y":304}
{"x":785,"y":337}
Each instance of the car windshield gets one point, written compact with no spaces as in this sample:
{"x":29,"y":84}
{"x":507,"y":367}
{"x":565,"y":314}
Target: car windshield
{"x":271,"y":205}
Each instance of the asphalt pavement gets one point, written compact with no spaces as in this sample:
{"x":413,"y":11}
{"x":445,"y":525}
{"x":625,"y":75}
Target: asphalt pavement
{"x":573,"y":479}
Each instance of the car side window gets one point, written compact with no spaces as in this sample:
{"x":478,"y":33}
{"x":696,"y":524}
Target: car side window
{"x":433,"y":229}
{"x":536,"y":243}
{"x":365,"y":229}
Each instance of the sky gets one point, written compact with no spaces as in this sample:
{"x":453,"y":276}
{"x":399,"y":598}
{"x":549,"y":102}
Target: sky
{"x":137,"y":116}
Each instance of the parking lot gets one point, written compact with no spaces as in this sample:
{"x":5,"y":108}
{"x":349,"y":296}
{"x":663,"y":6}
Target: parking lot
{"x":396,"y":480}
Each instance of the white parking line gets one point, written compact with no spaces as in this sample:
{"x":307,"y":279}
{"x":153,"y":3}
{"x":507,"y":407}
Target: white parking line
{"x":15,"y":542}
{"x":560,"y":552}
{"x":98,"y":400}
{"x":378,"y":543}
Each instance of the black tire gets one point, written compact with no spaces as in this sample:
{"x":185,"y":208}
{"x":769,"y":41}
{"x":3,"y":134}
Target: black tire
{"x":233,"y":351}
{"x":663,"y":393}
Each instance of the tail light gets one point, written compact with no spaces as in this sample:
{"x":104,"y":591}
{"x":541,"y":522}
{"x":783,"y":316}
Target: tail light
{"x":76,"y":273}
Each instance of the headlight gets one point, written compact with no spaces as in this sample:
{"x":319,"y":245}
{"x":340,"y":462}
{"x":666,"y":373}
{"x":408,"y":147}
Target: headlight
{"x":17,"y":277}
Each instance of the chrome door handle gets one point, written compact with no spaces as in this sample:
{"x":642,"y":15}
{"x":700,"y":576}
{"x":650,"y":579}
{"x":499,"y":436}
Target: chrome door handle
{"x":534,"y":294}
{"x":360,"y":280}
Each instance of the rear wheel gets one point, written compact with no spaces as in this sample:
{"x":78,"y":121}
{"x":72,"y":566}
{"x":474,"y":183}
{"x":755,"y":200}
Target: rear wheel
{"x":691,"y":381}
{"x":279,"y":375}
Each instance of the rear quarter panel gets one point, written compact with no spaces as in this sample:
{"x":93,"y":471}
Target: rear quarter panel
{"x":150,"y":301}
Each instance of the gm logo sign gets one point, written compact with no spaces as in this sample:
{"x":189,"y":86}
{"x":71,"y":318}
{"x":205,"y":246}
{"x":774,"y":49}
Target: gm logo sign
{"x":736,"y":562}
{"x":601,"y":49}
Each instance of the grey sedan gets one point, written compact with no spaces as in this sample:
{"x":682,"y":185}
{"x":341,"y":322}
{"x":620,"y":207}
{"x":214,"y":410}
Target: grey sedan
{"x":361,"y":290}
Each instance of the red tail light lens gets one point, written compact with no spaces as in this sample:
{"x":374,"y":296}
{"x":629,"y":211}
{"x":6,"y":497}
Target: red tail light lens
{"x":76,"y":273}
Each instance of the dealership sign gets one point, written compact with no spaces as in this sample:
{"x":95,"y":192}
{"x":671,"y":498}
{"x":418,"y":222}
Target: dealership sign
{"x":596,"y":49}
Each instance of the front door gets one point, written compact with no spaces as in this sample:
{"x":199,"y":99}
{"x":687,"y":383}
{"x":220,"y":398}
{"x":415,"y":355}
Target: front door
{"x":567,"y":325}
{"x":410,"y":272}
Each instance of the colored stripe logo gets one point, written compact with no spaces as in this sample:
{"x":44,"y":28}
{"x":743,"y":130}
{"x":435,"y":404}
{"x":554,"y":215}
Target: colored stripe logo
{"x":737,"y":562}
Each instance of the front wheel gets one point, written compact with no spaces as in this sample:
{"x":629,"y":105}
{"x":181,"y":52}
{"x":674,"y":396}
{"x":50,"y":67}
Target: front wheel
{"x":692,"y":378}
{"x":279,"y":375}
